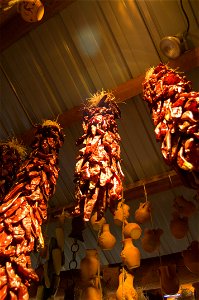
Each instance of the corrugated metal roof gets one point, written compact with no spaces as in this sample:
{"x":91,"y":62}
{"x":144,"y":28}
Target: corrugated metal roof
{"x":90,"y":46}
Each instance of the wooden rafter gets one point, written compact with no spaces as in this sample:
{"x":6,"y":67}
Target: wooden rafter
{"x":125,"y":91}
{"x":15,"y":27}
{"x":146,"y":276}
{"x":156,"y":184}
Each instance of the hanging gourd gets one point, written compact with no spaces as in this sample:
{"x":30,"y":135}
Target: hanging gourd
{"x":143,"y":213}
{"x":126,"y":290}
{"x":151,"y":239}
{"x":179,"y":226}
{"x":184,"y":207}
{"x":130,"y":254}
{"x":132,"y":230}
{"x":121,"y":213}
{"x":106,"y":240}
{"x":89,"y":265}
{"x":169,"y":280}
{"x":97,"y":224}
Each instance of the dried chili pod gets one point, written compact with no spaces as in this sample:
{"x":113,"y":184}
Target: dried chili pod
{"x":98,"y":174}
{"x":12,"y":153}
{"x":24,"y":209}
{"x":175,"y":113}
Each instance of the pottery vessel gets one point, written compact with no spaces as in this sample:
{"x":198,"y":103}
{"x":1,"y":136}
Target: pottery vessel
{"x":132,"y":230}
{"x":89,"y":265}
{"x":191,"y":257}
{"x":143,"y":213}
{"x":151,"y":239}
{"x":130,"y":254}
{"x":121,"y":214}
{"x":169,"y":280}
{"x":97,"y":225}
{"x":184,"y":207}
{"x":179,"y":226}
{"x":31,"y":10}
{"x":126,"y":290}
{"x":106,"y":240}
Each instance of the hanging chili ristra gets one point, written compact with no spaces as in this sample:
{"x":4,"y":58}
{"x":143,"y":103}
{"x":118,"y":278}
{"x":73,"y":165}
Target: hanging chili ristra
{"x":24,"y":209}
{"x":175,"y":113}
{"x":98,"y":173}
{"x":12,"y":153}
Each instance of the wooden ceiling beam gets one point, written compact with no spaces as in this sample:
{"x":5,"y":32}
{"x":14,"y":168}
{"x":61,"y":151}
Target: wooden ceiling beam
{"x":123,"y":92}
{"x":146,"y":276}
{"x":153,"y":185}
{"x":15,"y":27}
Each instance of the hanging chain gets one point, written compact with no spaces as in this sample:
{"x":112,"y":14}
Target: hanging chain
{"x":74,"y":249}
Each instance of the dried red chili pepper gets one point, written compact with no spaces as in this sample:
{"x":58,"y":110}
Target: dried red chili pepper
{"x":98,"y":174}
{"x":175,"y":113}
{"x":21,"y":214}
{"x":12,"y":153}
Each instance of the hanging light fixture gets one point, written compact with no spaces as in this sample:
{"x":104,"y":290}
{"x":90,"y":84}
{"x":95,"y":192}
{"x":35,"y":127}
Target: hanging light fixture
{"x":173,"y":46}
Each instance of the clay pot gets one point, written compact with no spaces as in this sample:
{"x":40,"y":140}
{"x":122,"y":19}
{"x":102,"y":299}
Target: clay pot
{"x":151,"y":239}
{"x":132,"y":230}
{"x":126,"y":290}
{"x":169,"y":280}
{"x":97,"y":225}
{"x":130,"y":254}
{"x":89,"y":265}
{"x":184,"y":207}
{"x":121,"y":214}
{"x":179,"y":226}
{"x":143,"y":213}
{"x":106,"y":240}
{"x":191,"y":257}
{"x":31,"y":10}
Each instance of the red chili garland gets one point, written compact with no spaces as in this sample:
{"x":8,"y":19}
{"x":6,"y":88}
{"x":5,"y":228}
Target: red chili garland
{"x":175,"y":113}
{"x":24,"y":209}
{"x":98,"y":173}
{"x":11,"y":157}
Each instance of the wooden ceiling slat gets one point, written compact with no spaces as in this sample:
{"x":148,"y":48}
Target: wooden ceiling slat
{"x":125,"y":91}
{"x":16,"y":27}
